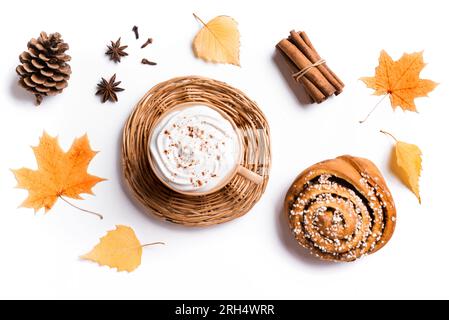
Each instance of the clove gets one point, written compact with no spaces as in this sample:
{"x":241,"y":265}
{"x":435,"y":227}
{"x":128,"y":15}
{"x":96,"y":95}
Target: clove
{"x":148,"y":62}
{"x":149,"y":41}
{"x":136,"y":31}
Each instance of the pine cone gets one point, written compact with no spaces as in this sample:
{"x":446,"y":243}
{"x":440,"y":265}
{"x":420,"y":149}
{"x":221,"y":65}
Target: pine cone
{"x":44,"y":70}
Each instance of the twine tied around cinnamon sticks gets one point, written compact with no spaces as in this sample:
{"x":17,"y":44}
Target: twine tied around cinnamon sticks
{"x":298,"y":75}
{"x":309,"y":68}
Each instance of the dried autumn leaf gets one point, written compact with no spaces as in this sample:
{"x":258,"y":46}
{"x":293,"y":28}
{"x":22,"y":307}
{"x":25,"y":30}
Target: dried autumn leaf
{"x":119,"y":249}
{"x":59,"y":173}
{"x":218,"y":41}
{"x":407,"y":164}
{"x":400,"y":80}
{"x":408,"y":159}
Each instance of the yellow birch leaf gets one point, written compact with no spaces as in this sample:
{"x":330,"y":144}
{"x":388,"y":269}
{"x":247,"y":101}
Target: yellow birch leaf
{"x":119,"y":249}
{"x":218,"y":41}
{"x":408,"y":160}
{"x":407,"y":164}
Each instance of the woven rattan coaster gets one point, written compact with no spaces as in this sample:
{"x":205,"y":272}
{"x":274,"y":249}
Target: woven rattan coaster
{"x":239,"y":195}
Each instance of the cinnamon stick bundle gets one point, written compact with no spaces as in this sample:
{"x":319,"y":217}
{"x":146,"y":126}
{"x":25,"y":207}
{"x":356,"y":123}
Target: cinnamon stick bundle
{"x":309,"y":68}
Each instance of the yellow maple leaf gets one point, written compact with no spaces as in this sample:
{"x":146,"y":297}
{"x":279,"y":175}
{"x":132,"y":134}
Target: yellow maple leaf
{"x":407,"y":164}
{"x":119,"y":249}
{"x":400,"y":80}
{"x":218,"y":41}
{"x":59,"y":173}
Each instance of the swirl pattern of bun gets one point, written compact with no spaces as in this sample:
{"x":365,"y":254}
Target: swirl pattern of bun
{"x":341,"y":209}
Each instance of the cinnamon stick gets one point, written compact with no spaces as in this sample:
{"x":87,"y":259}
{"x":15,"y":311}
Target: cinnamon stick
{"x":313,"y":92}
{"x":301,"y":62}
{"x":318,"y":79}
{"x":313,"y":56}
{"x":309,"y":43}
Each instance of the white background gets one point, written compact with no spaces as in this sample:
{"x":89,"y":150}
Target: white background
{"x":254,"y":256}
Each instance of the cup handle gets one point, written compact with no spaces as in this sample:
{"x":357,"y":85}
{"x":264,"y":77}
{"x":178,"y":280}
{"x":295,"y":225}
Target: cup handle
{"x":250,"y":175}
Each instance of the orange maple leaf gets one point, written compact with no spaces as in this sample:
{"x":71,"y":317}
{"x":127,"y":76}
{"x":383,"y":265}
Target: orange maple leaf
{"x":59,"y":173}
{"x":400,"y":80}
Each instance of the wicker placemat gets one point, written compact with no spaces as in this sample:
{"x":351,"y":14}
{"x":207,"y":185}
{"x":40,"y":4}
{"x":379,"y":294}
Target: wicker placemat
{"x":239,"y":195}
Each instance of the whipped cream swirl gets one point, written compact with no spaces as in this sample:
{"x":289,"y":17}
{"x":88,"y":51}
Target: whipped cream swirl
{"x":194,"y":149}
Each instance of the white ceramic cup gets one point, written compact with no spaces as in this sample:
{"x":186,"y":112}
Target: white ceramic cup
{"x":237,"y":169}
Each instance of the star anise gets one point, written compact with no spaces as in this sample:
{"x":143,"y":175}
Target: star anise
{"x":108,"y":89}
{"x":115,"y":51}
